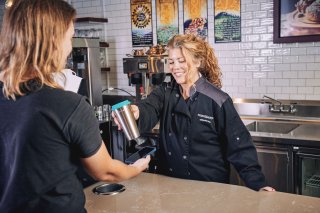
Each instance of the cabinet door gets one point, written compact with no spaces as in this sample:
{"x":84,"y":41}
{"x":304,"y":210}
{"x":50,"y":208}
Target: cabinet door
{"x":276,"y":166}
{"x":307,"y":171}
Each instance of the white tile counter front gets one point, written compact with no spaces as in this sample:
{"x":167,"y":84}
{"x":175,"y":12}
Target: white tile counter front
{"x":157,"y":193}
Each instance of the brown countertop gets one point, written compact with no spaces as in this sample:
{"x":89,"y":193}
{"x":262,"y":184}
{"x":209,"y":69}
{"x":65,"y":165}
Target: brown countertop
{"x":157,"y":193}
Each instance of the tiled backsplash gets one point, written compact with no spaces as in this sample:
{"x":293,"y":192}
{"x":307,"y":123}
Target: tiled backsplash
{"x":251,"y":68}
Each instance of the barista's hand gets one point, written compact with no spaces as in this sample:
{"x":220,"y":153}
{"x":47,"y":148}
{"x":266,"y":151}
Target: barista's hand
{"x":142,"y":164}
{"x":268,"y":189}
{"x":135,"y":111}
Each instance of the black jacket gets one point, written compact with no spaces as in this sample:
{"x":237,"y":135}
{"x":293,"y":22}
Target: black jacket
{"x":200,"y":136}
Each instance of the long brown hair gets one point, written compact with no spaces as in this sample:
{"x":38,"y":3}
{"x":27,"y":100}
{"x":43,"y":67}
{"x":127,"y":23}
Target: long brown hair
{"x":199,"y":50}
{"x":31,"y":43}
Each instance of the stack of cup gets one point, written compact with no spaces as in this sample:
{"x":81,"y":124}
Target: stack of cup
{"x":126,"y":119}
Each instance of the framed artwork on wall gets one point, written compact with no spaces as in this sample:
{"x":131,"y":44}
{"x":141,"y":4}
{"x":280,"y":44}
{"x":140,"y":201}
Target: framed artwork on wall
{"x":141,"y":23}
{"x":195,"y":17}
{"x":167,"y":20}
{"x":227,"y":21}
{"x":296,"y":21}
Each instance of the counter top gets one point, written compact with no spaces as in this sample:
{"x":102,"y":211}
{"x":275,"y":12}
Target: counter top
{"x":157,"y":193}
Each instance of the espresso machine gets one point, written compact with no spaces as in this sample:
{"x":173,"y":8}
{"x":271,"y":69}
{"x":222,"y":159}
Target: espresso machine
{"x":146,"y":72}
{"x":85,"y":62}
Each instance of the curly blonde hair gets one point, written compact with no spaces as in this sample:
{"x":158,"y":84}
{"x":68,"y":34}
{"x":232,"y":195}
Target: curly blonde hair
{"x":199,"y":50}
{"x":31,"y":43}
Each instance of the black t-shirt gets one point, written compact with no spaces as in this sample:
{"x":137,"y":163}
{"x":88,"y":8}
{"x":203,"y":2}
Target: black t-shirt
{"x":42,"y":137}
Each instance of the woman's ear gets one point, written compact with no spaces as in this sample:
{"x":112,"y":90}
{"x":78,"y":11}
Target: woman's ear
{"x":197,"y":64}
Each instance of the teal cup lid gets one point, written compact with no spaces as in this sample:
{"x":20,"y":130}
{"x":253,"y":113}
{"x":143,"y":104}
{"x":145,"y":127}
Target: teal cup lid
{"x":121,"y":104}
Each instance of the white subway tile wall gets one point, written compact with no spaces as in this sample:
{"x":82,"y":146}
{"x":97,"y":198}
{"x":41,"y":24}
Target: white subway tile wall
{"x":251,"y":68}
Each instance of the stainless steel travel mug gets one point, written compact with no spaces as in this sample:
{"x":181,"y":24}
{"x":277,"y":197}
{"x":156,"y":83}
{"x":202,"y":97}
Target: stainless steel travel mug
{"x":126,"y":119}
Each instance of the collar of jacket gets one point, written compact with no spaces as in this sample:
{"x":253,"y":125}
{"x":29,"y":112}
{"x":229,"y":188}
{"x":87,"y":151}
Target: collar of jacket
{"x":179,"y":103}
{"x":193,"y":88}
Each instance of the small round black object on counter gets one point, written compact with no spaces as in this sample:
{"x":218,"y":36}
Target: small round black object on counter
{"x":108,"y":189}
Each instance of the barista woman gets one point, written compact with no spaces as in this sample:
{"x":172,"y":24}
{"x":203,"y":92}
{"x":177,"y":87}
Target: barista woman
{"x":45,"y":130}
{"x":200,"y":130}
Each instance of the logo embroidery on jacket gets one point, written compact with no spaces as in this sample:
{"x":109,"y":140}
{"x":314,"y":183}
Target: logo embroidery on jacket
{"x":205,"y":118}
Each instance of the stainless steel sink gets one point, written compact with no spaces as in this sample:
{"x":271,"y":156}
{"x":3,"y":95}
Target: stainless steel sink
{"x":271,"y":127}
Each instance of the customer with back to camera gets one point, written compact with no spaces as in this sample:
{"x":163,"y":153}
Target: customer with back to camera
{"x":201,"y":133}
{"x":44,"y":130}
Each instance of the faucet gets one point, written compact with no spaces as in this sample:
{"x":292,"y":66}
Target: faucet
{"x":272,"y":99}
{"x":273,"y":107}
{"x":282,"y":108}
